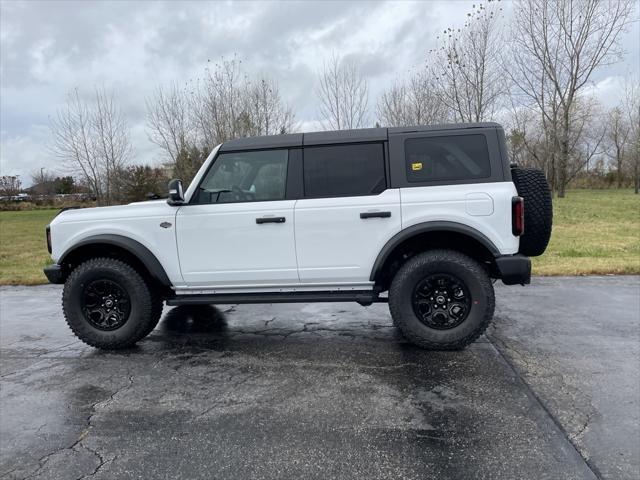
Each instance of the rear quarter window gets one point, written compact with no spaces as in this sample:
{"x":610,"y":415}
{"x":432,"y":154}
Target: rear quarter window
{"x":452,"y":157}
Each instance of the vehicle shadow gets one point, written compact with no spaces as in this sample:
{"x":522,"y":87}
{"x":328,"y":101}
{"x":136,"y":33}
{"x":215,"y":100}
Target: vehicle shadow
{"x":196,"y":319}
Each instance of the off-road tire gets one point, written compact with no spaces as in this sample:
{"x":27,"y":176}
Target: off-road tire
{"x":468,"y":271}
{"x":157,"y":305}
{"x":532,"y":185}
{"x":140,"y":320}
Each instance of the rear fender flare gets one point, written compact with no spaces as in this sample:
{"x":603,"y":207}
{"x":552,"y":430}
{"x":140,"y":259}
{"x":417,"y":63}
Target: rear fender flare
{"x":420,"y":228}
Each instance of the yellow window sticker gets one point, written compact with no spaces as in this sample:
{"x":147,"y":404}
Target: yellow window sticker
{"x":416,"y":166}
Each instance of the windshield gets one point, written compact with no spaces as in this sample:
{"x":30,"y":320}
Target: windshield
{"x":196,"y":180}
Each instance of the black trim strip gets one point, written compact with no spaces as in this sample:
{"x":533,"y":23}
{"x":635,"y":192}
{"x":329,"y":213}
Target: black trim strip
{"x":363,"y":297}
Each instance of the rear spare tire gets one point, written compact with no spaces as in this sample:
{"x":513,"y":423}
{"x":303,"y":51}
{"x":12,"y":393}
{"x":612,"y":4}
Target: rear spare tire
{"x":532,"y":185}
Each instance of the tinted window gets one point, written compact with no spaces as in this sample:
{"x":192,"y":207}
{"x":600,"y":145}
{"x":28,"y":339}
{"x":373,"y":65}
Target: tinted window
{"x":344,"y":170}
{"x":454,"y":157}
{"x":245,"y":177}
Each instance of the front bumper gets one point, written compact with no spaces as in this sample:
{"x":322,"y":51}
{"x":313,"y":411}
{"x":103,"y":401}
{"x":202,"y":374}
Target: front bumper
{"x":54,"y":273}
{"x":514,"y":269}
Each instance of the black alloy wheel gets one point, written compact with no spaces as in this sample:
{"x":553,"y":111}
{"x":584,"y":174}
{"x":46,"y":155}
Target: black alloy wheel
{"x":441,"y":301}
{"x":105,"y":304}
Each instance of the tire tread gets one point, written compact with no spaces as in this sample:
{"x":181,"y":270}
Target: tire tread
{"x":399,"y":282}
{"x":147,"y":305}
{"x":532,"y":185}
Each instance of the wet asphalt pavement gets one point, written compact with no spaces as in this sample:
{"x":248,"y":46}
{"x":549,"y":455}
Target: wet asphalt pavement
{"x":328,"y":391}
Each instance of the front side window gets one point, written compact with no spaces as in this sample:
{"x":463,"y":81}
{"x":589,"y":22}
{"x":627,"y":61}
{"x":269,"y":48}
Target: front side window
{"x":251,"y":176}
{"x":344,"y":170}
{"x":453,"y":157}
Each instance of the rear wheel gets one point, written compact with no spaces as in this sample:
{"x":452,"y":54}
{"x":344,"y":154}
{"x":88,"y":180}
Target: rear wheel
{"x":441,"y":300}
{"x":107,"y":304}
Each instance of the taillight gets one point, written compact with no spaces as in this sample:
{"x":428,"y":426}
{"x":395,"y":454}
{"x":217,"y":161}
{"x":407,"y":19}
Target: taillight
{"x":517,"y":216}
{"x":48,"y":238}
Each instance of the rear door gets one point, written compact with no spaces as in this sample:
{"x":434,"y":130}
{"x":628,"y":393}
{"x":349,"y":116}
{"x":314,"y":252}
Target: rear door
{"x":238,"y":230}
{"x":346,"y":215}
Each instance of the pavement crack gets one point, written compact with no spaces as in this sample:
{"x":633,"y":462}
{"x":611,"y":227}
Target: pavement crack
{"x":42,"y":461}
{"x":102,"y":463}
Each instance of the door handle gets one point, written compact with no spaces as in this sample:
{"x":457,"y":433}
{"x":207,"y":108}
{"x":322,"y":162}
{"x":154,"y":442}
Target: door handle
{"x":270,"y":220}
{"x":365,"y":215}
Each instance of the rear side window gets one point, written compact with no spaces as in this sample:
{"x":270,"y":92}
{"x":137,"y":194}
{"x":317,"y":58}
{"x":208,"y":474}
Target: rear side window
{"x":454,"y":157}
{"x":344,"y":170}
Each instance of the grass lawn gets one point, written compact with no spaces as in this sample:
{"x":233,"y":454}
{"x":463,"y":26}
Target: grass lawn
{"x":23,"y":246}
{"x":594,"y":232}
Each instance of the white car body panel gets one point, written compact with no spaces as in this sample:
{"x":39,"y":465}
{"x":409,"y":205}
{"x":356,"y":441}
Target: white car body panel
{"x":221,"y":244}
{"x":467,"y":205}
{"x":334,"y":244}
{"x":137,"y":221}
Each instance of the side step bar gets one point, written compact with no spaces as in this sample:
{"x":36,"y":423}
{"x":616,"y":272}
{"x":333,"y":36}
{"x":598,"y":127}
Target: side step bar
{"x":362,"y":297}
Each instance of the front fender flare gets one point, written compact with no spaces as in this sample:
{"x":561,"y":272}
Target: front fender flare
{"x":134,"y":247}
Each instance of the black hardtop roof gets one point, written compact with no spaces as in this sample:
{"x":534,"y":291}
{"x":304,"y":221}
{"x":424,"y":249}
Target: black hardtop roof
{"x":339,"y":136}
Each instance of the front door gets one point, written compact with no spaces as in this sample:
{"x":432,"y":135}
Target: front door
{"x":238,"y":229}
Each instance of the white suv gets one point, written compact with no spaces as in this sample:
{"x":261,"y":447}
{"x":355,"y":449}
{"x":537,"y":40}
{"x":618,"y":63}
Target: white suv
{"x":422,"y":218}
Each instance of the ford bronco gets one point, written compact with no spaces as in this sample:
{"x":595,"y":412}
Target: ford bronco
{"x":424,"y":218}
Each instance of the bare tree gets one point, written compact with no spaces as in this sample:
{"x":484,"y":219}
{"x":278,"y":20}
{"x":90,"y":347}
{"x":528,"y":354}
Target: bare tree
{"x":617,"y":138}
{"x":10,"y":185}
{"x":267,"y":114}
{"x":168,"y":120}
{"x":224,"y":104}
{"x":113,"y":145}
{"x":344,"y":95}
{"x":631,"y":110}
{"x":218,"y":104}
{"x":531,"y":144}
{"x":557,"y":45}
{"x":92,"y":138}
{"x":43,"y":182}
{"x":411,"y":103}
{"x":467,"y":65}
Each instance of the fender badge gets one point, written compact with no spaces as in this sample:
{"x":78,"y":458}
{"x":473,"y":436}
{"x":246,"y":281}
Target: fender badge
{"x":165,"y":225}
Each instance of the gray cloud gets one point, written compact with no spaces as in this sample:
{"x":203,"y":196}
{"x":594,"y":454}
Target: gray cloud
{"x":49,"y":48}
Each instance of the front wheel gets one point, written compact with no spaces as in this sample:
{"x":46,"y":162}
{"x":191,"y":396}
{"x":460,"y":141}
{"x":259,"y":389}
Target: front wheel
{"x":441,"y":300}
{"x":108,"y":305}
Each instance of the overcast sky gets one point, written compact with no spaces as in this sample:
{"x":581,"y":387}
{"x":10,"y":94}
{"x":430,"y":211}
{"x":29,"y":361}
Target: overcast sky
{"x":49,"y":48}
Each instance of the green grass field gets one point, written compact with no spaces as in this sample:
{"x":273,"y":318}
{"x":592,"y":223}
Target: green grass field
{"x":23,"y":246}
{"x":595,"y":232}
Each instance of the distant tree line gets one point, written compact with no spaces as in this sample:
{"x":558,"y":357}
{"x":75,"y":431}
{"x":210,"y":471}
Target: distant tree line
{"x":533,"y":77}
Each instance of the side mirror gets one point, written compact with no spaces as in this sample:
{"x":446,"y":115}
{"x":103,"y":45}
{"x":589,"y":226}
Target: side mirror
{"x":176,"y":194}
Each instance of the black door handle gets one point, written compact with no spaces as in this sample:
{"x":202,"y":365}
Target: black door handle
{"x":270,"y":220}
{"x":365,"y":215}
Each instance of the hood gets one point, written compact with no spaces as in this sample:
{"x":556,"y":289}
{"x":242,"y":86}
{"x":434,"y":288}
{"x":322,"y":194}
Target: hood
{"x":149,"y":208}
